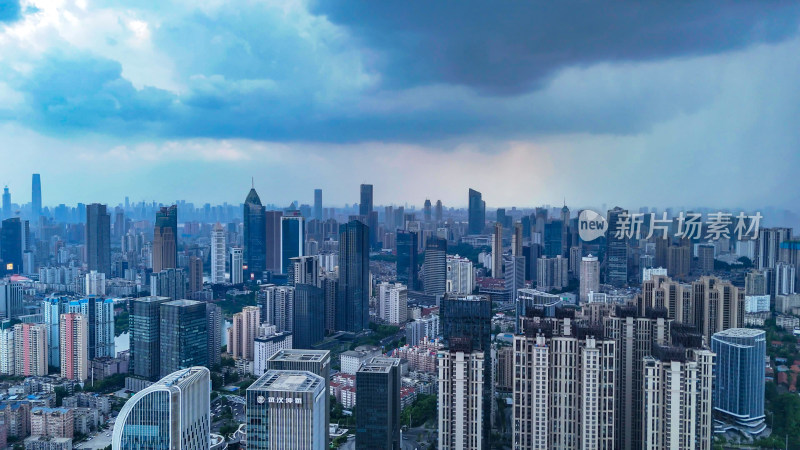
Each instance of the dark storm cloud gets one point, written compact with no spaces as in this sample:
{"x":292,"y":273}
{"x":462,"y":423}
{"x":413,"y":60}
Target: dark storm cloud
{"x":508,"y":46}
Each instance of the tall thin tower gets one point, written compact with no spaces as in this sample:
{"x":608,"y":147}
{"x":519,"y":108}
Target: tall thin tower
{"x":36,"y":195}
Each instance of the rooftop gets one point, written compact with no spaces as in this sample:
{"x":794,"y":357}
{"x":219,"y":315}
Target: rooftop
{"x":287,"y":380}
{"x":300,"y":355}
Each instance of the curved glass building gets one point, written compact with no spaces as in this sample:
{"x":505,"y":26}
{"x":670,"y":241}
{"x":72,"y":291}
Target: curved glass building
{"x":173,"y":413}
{"x":739,"y":380}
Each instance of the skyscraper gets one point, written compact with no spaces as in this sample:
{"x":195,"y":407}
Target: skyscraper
{"x":169,"y":283}
{"x":214,"y":327}
{"x":174,"y":413}
{"x":293,"y":239}
{"x":36,"y":195}
{"x":497,"y":251}
{"x":461,"y":384}
{"x":273,"y":240}
{"x":237,"y":265}
{"x":460,"y":275}
{"x":616,"y":250}
{"x":470,"y":317}
{"x":435,"y":267}
{"x":768,"y":246}
{"x":476,"y":212}
{"x":317,"y":362}
{"x":378,"y":404}
{"x":352,"y":301}
{"x":438,"y":212}
{"x":564,"y":385}
{"x":74,"y":333}
{"x":11,"y":245}
{"x":52,"y":308}
{"x":393,"y":302}
{"x":145,"y":337}
{"x":217,"y":254}
{"x":407,"y":265}
{"x":100,"y":315}
{"x":195,"y":275}
{"x":30,"y":349}
{"x":242,"y":332}
{"x":590,"y":277}
{"x":6,"y":203}
{"x":165,"y":239}
{"x":677,"y":397}
{"x":427,"y":210}
{"x":309,"y":316}
{"x":98,"y":239}
{"x":634,"y":338}
{"x":286,"y":409}
{"x":255,"y":251}
{"x":10,"y":300}
{"x":365,"y":207}
{"x":183,"y":335}
{"x":318,"y":204}
{"x":739,"y":379}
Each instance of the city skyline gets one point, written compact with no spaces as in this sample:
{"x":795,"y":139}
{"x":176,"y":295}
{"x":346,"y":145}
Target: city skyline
{"x":319,"y":93}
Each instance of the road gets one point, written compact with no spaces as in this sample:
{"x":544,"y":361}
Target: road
{"x":100,"y":441}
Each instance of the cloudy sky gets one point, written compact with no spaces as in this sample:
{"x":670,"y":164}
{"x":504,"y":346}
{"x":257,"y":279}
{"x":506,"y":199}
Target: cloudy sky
{"x":694,"y":103}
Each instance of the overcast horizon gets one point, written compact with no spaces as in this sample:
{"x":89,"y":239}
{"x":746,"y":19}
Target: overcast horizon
{"x":529,"y":103}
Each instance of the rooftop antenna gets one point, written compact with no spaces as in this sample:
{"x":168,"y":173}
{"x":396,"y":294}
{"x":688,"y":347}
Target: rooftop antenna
{"x":253,"y":182}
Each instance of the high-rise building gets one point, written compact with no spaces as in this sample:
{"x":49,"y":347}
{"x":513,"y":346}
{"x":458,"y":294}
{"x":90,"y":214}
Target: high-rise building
{"x":435,"y":267}
{"x":10,"y":300}
{"x":95,"y":283}
{"x":184,"y":340}
{"x":393,"y":302}
{"x":513,"y":274}
{"x":768,"y":246}
{"x":407,"y":265}
{"x":169,"y":283}
{"x":317,"y":362}
{"x":7,"y":360}
{"x":268,"y":342}
{"x":552,"y":273}
{"x":165,"y":239}
{"x":11,"y":245}
{"x":565,"y":236}
{"x":352,"y":301}
{"x":497,"y":251}
{"x":677,"y":397}
{"x":6,"y":203}
{"x":679,"y":259}
{"x":365,"y":206}
{"x":30,"y":349}
{"x":564,"y":387}
{"x":470,"y":316}
{"x":145,"y":337}
{"x":330,"y":288}
{"x":634,"y":338}
{"x":243,"y":331}
{"x":534,"y":302}
{"x":461,"y":384}
{"x":214,"y":327}
{"x":218,"y":254}
{"x":52,"y":308}
{"x":36,"y":195}
{"x":98,"y":239}
{"x":74,"y":334}
{"x":100,"y":315}
{"x":784,"y":277}
{"x":438,"y":212}
{"x":286,"y":409}
{"x":553,"y":231}
{"x":590,"y":277}
{"x":705,"y":259}
{"x":255,"y":237}
{"x":476,"y":212}
{"x":308,"y":317}
{"x":460,"y":275}
{"x":237,"y":265}
{"x":378,"y":404}
{"x":195,"y":275}
{"x":273,"y":238}
{"x":616,"y":249}
{"x":739,"y":379}
{"x":277,"y":306}
{"x":318,"y":205}
{"x":304,"y":270}
{"x":174,"y":413}
{"x":293,"y":239}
